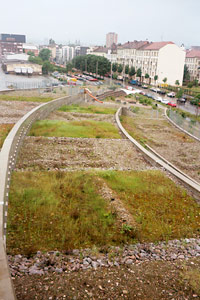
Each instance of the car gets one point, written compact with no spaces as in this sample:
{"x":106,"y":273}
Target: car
{"x":162,"y":92}
{"x":171,"y":95}
{"x":157,"y":98}
{"x":182,"y":100}
{"x":143,"y":93}
{"x":164,"y":101}
{"x":172,"y":104}
{"x":149,"y":95}
{"x":144,"y":86}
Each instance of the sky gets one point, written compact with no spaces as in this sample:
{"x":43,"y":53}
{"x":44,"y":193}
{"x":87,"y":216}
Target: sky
{"x":89,"y":20}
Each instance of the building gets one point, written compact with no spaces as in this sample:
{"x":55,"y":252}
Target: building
{"x":162,"y":59}
{"x":192,"y":61}
{"x":80,"y":50}
{"x":111,"y":38}
{"x":30,"y":48}
{"x":100,"y":51}
{"x":19,"y":64}
{"x":11,"y":43}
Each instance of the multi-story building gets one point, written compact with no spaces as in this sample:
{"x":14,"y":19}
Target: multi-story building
{"x":111,"y":38}
{"x":30,"y":48}
{"x":11,"y":43}
{"x":64,"y":54}
{"x":192,"y":61}
{"x":81,"y":50}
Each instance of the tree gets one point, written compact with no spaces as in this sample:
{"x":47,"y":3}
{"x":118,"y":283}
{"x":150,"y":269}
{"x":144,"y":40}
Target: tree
{"x":89,"y":62}
{"x":179,"y":94}
{"x":139,"y":73}
{"x":114,"y":67}
{"x":165,"y":79}
{"x":177,"y":82}
{"x":156,"y":77}
{"x":120,"y":68}
{"x":69,"y":67}
{"x":195,"y":82}
{"x":132,"y":71}
{"x":127,"y":69}
{"x":31,"y":53}
{"x":47,"y":67}
{"x":186,"y":75}
{"x":45,"y":54}
{"x":190,"y":85}
{"x":35,"y":60}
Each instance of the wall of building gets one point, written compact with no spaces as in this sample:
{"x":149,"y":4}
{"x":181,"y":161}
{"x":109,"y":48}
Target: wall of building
{"x":37,"y":69}
{"x":171,"y":60}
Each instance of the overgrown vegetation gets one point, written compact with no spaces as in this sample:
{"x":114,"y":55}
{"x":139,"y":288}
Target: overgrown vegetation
{"x":162,"y":210}
{"x":4,"y":131}
{"x":87,"y":109}
{"x":63,"y":210}
{"x":83,"y":129}
{"x":58,"y":210}
{"x":25,"y":98}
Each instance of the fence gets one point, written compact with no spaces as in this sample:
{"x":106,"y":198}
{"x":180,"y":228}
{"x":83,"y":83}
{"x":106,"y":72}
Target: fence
{"x":191,"y":126}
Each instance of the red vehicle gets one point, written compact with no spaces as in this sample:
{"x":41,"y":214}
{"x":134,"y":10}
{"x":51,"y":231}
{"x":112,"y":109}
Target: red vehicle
{"x":172,"y":104}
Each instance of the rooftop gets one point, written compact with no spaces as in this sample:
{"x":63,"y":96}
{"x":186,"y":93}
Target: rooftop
{"x":156,"y":45}
{"x":133,"y":45}
{"x":193,"y":53}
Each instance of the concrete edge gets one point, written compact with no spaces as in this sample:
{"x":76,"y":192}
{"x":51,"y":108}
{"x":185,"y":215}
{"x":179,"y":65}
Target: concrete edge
{"x":152,"y":158}
{"x":191,"y":135}
{"x":8,"y":156}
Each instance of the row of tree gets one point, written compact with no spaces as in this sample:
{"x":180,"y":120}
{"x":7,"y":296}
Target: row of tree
{"x":42,"y":59}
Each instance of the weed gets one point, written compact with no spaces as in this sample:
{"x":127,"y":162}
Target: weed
{"x":92,"y":109}
{"x":84,"y":129}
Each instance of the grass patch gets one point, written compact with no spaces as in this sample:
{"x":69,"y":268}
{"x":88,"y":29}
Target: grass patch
{"x":4,"y":131}
{"x":57,"y":210}
{"x":83,"y":129}
{"x":87,"y":109}
{"x":162,"y":210}
{"x":191,"y":275}
{"x":25,"y":98}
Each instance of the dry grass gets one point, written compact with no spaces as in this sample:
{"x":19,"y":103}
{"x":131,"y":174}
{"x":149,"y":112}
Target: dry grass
{"x":4,"y":131}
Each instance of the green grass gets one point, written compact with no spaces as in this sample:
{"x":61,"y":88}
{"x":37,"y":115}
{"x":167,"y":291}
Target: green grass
{"x":87,"y":109}
{"x":4,"y":131}
{"x":26,"y":99}
{"x":82,"y":129}
{"x":162,"y":210}
{"x":57,"y":210}
{"x":63,"y":210}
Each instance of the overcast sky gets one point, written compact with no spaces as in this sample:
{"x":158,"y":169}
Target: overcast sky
{"x":90,"y":20}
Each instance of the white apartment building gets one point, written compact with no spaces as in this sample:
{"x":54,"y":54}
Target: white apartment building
{"x":164,"y":59}
{"x":64,"y":54}
{"x":192,"y":61}
{"x":111,"y":38}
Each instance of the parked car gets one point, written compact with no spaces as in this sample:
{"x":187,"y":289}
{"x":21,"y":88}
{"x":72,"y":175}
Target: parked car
{"x":162,"y":92}
{"x":157,"y":98}
{"x":171,"y":94}
{"x":144,"y":86}
{"x":181,"y":100}
{"x":172,"y":104}
{"x":164,"y":101}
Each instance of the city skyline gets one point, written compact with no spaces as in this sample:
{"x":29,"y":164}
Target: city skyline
{"x":89,"y":22}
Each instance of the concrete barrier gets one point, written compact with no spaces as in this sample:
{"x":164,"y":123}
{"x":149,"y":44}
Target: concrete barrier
{"x":8,"y":156}
{"x":194,"y":187}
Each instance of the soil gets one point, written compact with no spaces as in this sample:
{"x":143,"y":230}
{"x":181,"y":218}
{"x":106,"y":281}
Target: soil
{"x":143,"y":281}
{"x":174,"y":145}
{"x":77,"y":153}
{"x":12,"y":111}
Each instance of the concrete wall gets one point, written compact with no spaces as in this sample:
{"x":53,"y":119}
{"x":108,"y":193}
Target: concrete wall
{"x":37,"y":69}
{"x":171,"y":60}
{"x":8,"y":156}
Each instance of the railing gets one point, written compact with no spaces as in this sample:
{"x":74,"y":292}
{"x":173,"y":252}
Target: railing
{"x":187,"y":125}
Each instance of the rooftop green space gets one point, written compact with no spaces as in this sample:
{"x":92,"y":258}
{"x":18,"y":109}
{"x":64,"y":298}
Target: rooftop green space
{"x":64,"y":210}
{"x":91,"y":109}
{"x":25,"y":98}
{"x":76,"y":129}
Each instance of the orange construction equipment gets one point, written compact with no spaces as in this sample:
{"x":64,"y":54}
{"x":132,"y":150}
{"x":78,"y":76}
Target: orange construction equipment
{"x":87,"y":91}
